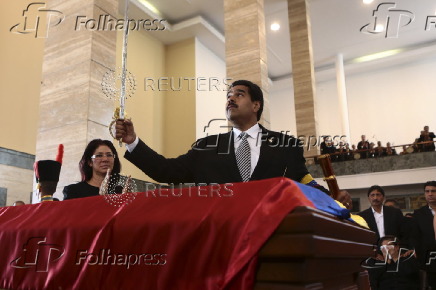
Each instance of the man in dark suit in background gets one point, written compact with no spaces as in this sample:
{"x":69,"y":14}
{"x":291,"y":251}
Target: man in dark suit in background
{"x":364,"y":146}
{"x":220,"y":158}
{"x":328,"y":148}
{"x":383,"y":220}
{"x":427,"y":136}
{"x":426,"y":243}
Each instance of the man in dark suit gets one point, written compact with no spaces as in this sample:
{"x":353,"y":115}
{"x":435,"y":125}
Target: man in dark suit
{"x":218,"y":158}
{"x":364,"y":146}
{"x":383,"y":220}
{"x":426,"y":243}
{"x":427,"y":136}
{"x":328,"y":148}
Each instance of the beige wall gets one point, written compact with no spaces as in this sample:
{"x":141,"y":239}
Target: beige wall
{"x":164,"y":118}
{"x":211,"y":97}
{"x":146,"y":58}
{"x":20,"y":80}
{"x":179,"y":110}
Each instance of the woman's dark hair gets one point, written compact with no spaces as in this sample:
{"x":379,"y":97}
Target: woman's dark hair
{"x":84,"y":167}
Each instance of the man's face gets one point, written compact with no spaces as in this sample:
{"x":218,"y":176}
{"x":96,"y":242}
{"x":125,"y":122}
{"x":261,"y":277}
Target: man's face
{"x":239,"y":105}
{"x":426,"y":129}
{"x":376,"y":198}
{"x":430,"y":194}
{"x":363,"y":137}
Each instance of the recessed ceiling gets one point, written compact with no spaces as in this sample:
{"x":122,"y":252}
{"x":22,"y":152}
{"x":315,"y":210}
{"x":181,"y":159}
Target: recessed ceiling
{"x":336,"y":28}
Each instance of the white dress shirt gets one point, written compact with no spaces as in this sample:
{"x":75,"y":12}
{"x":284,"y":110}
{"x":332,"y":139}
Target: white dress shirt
{"x":379,"y":219}
{"x":130,"y":147}
{"x":254,"y":140}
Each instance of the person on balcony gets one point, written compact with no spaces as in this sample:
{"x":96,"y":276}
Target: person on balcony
{"x":364,"y":146}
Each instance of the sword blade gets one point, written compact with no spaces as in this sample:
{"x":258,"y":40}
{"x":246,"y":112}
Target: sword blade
{"x":124,"y":60}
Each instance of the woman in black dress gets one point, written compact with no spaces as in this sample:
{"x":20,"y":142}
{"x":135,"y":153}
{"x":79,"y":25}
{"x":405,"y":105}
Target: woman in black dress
{"x":99,"y":157}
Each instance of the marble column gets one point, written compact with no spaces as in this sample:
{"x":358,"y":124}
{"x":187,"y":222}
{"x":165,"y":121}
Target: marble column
{"x":246,"y":45}
{"x":303,"y":71}
{"x":73,"y":109}
{"x":342,"y":97}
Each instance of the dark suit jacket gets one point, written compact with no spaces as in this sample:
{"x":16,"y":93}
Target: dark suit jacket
{"x":212,"y":160}
{"x":426,"y":242}
{"x":393,"y":221}
{"x":427,"y":147}
{"x":363,"y":146}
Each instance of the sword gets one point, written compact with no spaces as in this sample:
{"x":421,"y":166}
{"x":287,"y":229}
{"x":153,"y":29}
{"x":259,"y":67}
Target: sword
{"x":124,"y":64}
{"x":128,"y":85}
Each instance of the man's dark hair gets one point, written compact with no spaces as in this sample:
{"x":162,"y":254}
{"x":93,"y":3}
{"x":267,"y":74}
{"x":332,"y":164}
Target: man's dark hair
{"x":255,"y":92}
{"x":376,"y":187}
{"x":393,"y":239}
{"x":430,"y":183}
{"x":84,"y":167}
{"x":393,"y":201}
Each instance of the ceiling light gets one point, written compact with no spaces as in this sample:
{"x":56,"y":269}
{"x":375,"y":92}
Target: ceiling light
{"x":367,"y":1}
{"x":275,"y":26}
{"x":150,"y":7}
{"x":377,"y":55}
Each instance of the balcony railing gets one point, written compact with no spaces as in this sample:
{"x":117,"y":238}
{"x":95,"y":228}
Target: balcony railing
{"x":369,"y":165}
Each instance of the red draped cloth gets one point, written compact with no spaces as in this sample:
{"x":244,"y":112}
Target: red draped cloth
{"x":193,"y":238}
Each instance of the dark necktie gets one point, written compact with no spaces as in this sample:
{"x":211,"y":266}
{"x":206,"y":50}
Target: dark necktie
{"x":243,"y":157}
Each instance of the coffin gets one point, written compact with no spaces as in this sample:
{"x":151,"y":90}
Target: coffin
{"x":312,"y":249}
